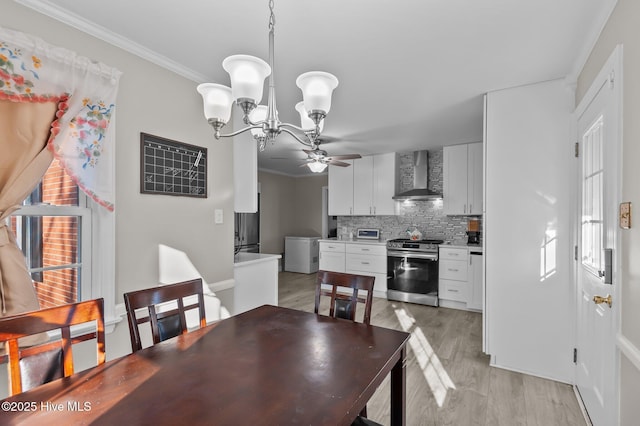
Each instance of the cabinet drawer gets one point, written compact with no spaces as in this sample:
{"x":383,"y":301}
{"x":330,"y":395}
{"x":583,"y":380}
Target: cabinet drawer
{"x":453,"y":290}
{"x":366,"y":263}
{"x":336,"y":247}
{"x":374,"y":249}
{"x":453,"y":254}
{"x":453,"y":270}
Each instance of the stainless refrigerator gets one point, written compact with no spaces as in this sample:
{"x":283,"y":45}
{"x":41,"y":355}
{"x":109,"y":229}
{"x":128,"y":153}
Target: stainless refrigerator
{"x":247,"y":232}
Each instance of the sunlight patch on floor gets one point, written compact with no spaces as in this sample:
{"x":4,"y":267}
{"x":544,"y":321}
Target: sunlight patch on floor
{"x":432,"y":369}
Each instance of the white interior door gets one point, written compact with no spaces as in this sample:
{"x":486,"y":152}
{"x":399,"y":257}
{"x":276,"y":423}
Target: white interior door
{"x":598,"y":133}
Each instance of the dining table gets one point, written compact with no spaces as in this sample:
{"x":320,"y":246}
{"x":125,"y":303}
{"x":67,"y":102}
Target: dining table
{"x":267,"y":366}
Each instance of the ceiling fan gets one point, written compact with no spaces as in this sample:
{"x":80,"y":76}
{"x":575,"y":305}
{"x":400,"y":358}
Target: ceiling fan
{"x":318,"y":159}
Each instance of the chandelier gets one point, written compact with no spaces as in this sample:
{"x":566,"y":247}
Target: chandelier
{"x":247,"y":80}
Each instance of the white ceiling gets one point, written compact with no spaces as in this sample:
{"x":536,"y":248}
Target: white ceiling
{"x":412,"y":72}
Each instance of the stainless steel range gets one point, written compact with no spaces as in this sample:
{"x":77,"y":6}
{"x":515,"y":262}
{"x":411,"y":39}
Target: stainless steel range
{"x":412,"y":271}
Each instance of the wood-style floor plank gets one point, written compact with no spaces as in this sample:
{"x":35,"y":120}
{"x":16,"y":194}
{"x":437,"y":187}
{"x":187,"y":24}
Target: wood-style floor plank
{"x":449,"y":379}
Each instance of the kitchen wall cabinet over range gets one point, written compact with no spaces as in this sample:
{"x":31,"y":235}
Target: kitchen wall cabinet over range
{"x":365,"y":188}
{"x":462,"y":179}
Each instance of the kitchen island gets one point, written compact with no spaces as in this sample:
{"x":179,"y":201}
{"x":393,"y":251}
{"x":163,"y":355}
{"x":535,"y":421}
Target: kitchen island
{"x":256,"y":280}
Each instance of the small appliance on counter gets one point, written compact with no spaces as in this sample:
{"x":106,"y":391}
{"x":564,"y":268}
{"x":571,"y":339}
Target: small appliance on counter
{"x":368,"y":234}
{"x":473,"y":231}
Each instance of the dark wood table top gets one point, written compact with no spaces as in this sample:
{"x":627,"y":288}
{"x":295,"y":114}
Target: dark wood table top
{"x":267,"y":366}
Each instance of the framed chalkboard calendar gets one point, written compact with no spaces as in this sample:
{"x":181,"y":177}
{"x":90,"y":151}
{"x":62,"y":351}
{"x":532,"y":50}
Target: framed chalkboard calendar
{"x":172,"y":168}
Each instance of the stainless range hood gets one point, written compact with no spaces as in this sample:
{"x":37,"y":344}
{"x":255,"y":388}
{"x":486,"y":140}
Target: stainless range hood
{"x":420,"y":180}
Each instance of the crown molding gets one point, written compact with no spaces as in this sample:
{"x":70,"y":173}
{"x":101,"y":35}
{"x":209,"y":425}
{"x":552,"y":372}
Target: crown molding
{"x":71,"y":19}
{"x":591,"y":39}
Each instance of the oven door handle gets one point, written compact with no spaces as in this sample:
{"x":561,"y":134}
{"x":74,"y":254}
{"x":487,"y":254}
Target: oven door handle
{"x":412,"y":255}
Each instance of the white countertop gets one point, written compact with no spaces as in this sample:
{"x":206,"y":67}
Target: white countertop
{"x":355,"y":241}
{"x":461,"y":244}
{"x":243,"y":259}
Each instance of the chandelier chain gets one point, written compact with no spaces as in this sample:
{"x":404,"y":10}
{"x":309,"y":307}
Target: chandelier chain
{"x":272,"y":16}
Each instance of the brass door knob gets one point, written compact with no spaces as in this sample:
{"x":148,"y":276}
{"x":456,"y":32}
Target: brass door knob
{"x":599,"y":299}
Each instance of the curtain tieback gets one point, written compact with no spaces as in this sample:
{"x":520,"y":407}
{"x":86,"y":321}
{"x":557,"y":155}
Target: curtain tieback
{"x":6,"y":237}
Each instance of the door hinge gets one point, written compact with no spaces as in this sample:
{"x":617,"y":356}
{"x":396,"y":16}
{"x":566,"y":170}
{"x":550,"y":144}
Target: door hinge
{"x":575,"y":355}
{"x":577,"y":150}
{"x":612,"y":79}
{"x":575,"y":253}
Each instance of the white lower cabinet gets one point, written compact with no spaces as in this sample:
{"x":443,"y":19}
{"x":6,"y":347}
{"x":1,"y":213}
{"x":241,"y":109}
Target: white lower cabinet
{"x":453,"y":284}
{"x":332,"y":256}
{"x":475,"y":280}
{"x":460,"y":278}
{"x":354,"y":258}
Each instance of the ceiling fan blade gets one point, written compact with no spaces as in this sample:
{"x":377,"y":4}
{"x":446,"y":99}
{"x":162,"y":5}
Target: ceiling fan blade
{"x":308,"y":151}
{"x":338,"y":163}
{"x":345,"y":157}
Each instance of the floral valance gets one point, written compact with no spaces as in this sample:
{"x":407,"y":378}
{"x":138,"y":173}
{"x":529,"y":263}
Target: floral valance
{"x":82,"y":136}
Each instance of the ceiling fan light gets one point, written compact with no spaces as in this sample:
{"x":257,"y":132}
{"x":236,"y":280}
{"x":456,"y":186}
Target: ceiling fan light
{"x":316,"y":166}
{"x":317,"y":87}
{"x":217,"y":101}
{"x":305,"y":122}
{"x":247,"y":76}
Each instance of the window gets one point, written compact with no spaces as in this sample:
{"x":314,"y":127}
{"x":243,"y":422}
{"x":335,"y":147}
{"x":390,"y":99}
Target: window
{"x":53,"y":229}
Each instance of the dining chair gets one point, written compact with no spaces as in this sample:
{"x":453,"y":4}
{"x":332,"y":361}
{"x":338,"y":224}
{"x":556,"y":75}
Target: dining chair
{"x":42,"y":362}
{"x":343,"y":302}
{"x":166,"y":310}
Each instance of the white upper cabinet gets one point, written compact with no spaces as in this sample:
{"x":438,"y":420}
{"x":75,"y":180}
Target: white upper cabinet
{"x":371,"y":185}
{"x":475,"y":185}
{"x":363,"y":186}
{"x":384,"y":184}
{"x":341,"y":190}
{"x":462,"y":182}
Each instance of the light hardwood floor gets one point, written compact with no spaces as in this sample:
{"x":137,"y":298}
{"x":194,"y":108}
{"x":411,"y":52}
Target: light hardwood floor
{"x":449,"y":380}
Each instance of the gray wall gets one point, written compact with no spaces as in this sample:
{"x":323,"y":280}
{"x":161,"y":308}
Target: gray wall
{"x":152,"y":100}
{"x":622,"y":28}
{"x":427,"y":216}
{"x":289,"y":206}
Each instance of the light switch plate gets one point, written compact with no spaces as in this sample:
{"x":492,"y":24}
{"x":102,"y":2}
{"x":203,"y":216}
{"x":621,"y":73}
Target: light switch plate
{"x":218,"y":216}
{"x":625,"y":215}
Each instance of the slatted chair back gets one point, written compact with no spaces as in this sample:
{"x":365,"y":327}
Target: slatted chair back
{"x":344,"y":305}
{"x":165,"y":322}
{"x":41,"y":363}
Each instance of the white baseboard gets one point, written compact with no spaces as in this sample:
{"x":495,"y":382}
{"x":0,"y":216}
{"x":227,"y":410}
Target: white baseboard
{"x":583,"y":409}
{"x":629,"y":350}
{"x":121,"y":310}
{"x":222,"y":285}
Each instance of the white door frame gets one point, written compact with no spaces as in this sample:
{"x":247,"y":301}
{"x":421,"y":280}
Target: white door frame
{"x":611,"y":73}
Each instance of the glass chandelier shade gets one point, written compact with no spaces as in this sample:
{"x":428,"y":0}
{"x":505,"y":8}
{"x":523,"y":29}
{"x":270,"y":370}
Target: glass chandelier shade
{"x":305,"y":122}
{"x":217,"y":101}
{"x":316,"y":166}
{"x":317,"y":87}
{"x":247,"y":75}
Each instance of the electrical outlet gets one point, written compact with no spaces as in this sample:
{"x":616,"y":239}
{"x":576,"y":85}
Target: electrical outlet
{"x":625,"y":215}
